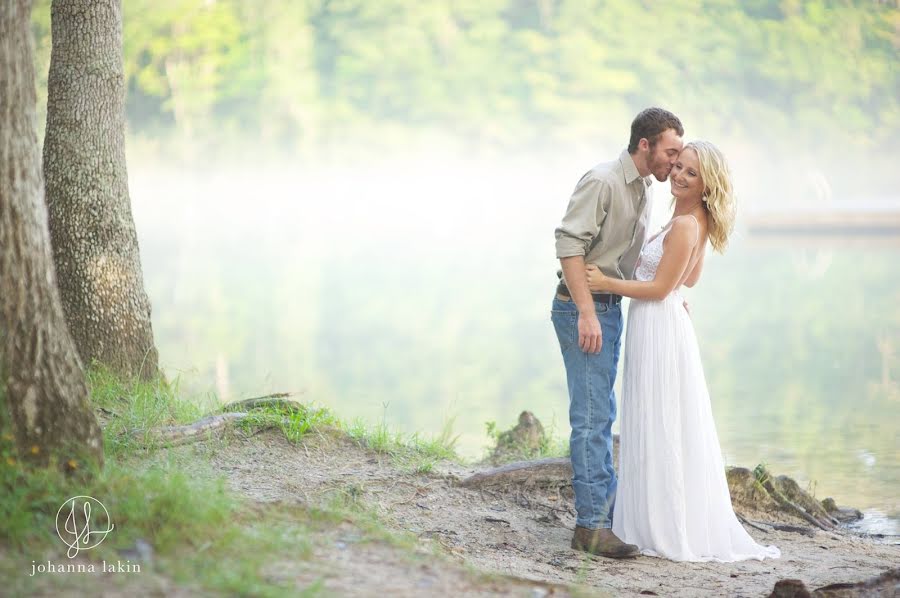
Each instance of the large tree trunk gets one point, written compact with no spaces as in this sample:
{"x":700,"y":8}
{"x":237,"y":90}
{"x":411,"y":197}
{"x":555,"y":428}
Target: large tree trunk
{"x":95,"y":246}
{"x":46,"y":391}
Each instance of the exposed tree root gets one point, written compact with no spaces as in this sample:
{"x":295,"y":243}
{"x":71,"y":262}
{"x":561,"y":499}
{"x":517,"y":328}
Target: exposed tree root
{"x":540,"y":472}
{"x":794,"y":500}
{"x":199,"y":430}
{"x":215,"y":425}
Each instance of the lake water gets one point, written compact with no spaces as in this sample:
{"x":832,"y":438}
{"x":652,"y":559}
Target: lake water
{"x":419,"y":295}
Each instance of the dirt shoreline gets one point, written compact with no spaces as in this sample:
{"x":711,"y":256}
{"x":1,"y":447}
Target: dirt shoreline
{"x":520,"y":533}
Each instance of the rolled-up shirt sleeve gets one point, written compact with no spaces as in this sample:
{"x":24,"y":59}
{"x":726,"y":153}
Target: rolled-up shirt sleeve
{"x":584,"y":216}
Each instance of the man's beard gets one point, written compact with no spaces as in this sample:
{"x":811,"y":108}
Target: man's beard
{"x":656,"y":166}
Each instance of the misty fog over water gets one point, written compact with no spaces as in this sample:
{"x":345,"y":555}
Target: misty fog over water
{"x":418,"y":291}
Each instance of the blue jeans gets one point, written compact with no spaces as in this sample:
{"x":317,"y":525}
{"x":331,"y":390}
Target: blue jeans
{"x":592,"y":409}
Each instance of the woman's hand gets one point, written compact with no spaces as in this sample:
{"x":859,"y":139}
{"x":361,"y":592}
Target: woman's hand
{"x":595,"y":278}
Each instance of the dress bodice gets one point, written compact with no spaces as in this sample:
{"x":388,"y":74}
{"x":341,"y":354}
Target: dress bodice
{"x":651,"y":254}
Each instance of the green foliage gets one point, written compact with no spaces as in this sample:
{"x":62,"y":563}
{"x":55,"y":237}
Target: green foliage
{"x":305,"y":75}
{"x":132,"y":408}
{"x":492,"y":432}
{"x":762,"y":475}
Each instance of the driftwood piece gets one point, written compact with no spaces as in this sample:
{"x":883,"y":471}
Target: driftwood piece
{"x":542,"y":472}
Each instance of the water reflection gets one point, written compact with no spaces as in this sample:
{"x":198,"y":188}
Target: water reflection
{"x":878,"y":524}
{"x":398,"y":298}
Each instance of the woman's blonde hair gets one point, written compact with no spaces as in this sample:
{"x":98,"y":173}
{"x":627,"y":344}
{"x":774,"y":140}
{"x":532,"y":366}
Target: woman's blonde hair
{"x":718,"y":192}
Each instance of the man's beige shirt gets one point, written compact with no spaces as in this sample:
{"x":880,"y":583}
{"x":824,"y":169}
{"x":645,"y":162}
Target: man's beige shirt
{"x":613,"y":201}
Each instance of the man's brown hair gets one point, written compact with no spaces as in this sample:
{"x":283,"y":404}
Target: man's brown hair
{"x":650,"y":124}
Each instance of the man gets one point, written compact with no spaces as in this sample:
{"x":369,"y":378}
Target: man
{"x":605,"y":225}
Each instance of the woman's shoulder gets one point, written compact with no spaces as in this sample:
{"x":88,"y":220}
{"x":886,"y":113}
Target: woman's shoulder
{"x":687,"y":220}
{"x":687,"y":228}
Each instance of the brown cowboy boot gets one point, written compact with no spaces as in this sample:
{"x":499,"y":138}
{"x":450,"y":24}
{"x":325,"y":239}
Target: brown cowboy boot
{"x":603,"y":542}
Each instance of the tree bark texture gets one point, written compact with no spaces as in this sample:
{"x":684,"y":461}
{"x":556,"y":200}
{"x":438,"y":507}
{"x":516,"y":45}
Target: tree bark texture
{"x":95,"y":245}
{"x":46,"y":392}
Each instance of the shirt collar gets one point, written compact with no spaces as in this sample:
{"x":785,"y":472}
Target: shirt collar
{"x":628,"y":168}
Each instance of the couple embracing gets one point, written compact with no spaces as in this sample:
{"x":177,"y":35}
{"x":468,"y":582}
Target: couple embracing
{"x":670,"y":498}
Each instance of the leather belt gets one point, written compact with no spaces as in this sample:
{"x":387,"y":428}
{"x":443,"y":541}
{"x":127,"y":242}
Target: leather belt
{"x":607,"y":298}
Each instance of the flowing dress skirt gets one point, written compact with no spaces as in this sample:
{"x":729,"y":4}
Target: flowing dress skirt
{"x":673,"y":499}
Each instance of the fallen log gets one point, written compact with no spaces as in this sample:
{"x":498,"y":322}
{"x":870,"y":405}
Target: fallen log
{"x":539,"y":472}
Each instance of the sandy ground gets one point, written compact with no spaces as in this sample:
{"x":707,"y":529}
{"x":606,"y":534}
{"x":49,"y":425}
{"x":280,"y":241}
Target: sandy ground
{"x":522,"y":535}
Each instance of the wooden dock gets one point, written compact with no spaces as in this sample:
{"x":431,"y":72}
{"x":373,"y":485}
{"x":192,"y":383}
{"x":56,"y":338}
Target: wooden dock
{"x":832,"y":223}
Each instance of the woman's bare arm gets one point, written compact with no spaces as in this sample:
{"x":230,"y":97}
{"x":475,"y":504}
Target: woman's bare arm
{"x":678,"y":246}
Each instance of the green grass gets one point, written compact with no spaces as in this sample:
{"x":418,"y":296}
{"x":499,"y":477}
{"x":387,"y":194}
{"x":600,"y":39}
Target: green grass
{"x":293,"y":423}
{"x":132,"y":409}
{"x":413,"y":453}
{"x":202,"y":535}
{"x":762,"y":475}
{"x":551,"y":444}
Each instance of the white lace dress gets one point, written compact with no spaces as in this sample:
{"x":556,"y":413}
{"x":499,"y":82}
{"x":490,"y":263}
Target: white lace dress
{"x":672,"y":499}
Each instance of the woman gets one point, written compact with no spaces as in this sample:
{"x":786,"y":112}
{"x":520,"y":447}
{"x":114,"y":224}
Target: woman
{"x":673,"y":499}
